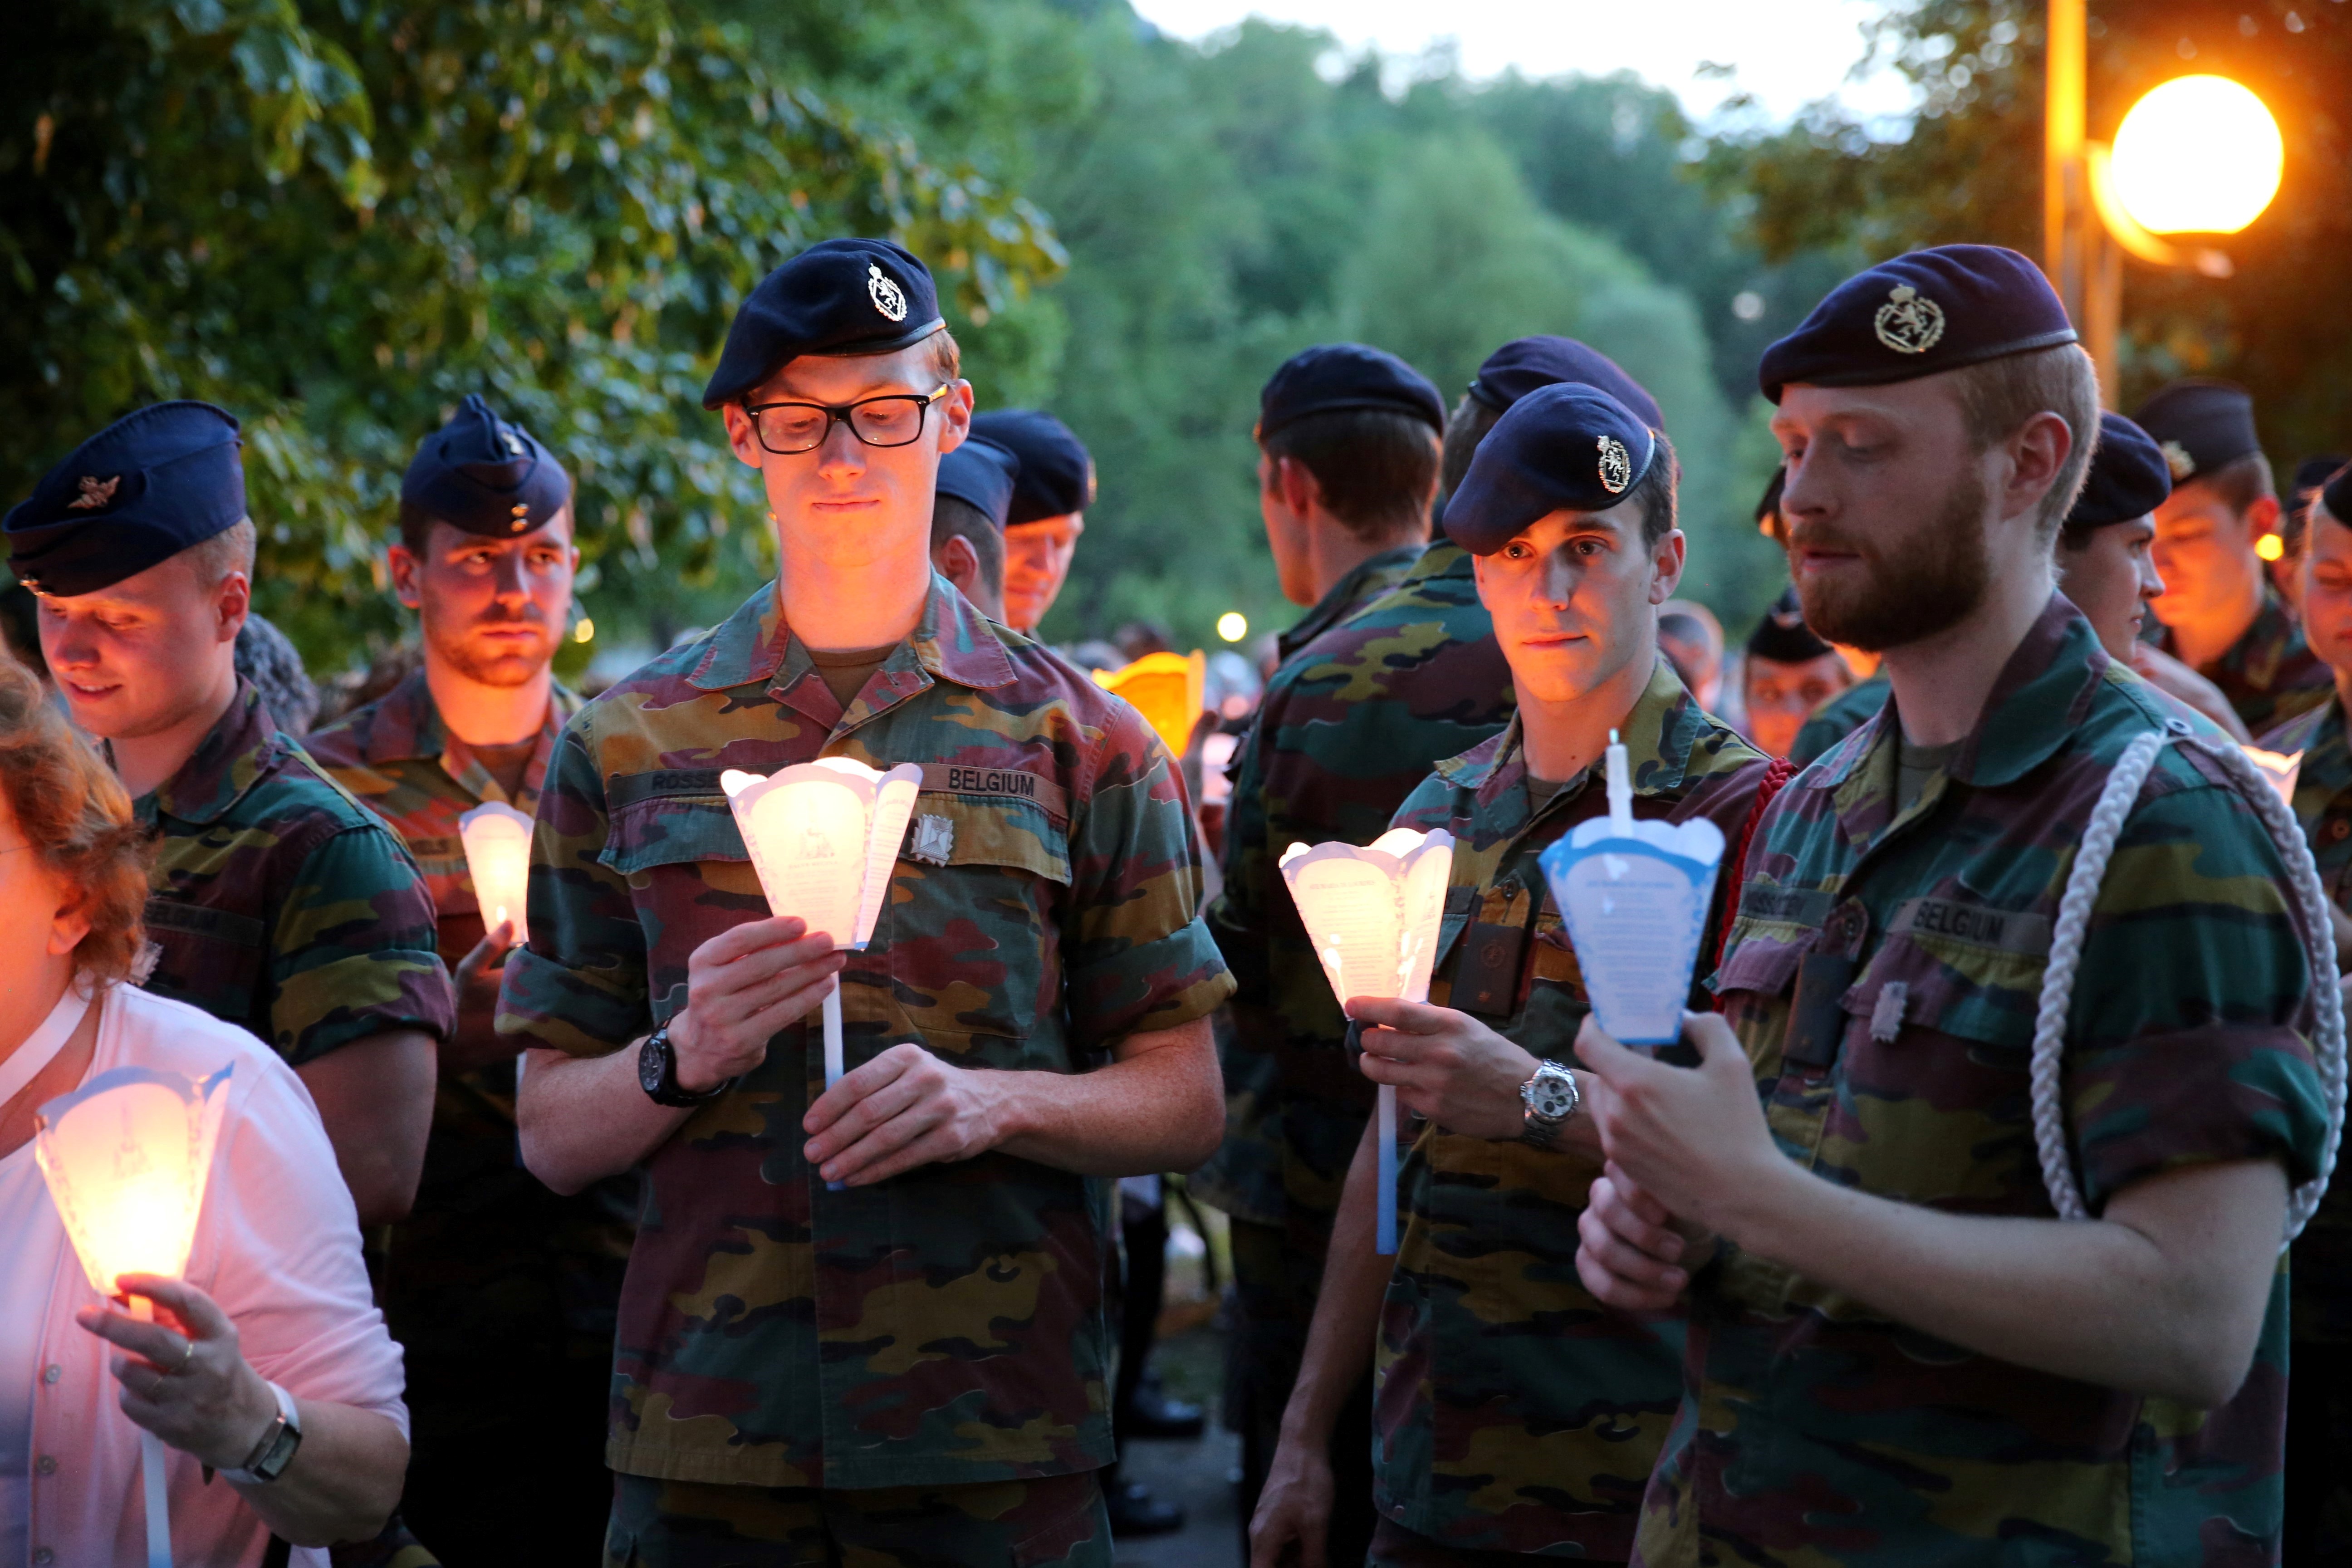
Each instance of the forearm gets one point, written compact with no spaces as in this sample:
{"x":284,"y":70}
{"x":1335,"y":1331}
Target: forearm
{"x":344,"y":1481}
{"x":1339,"y":1342}
{"x":375,"y":1100}
{"x":582,"y":1119}
{"x":2100,"y":1300}
{"x":1159,"y":1106}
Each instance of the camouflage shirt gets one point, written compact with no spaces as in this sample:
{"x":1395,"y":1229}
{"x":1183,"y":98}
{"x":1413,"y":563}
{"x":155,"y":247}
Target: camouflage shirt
{"x":1515,"y":1412}
{"x":280,"y":905}
{"x":489,"y":1263}
{"x":2322,"y":804}
{"x":947,"y":1326}
{"x":2270,"y":674}
{"x":1349,"y":725}
{"x":1839,"y":717}
{"x":1814,"y":1431}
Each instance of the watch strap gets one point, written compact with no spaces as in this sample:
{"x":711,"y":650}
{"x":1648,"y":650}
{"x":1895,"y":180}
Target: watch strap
{"x":277,"y":1446}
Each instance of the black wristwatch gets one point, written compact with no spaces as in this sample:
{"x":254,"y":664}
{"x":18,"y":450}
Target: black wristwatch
{"x":657,"y":1074}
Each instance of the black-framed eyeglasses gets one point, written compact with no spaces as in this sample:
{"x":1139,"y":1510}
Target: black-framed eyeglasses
{"x":894,"y":419}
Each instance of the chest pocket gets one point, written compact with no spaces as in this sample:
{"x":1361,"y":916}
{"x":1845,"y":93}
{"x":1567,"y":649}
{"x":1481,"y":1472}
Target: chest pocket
{"x":1965,"y":967}
{"x":211,"y":959}
{"x":671,"y":820}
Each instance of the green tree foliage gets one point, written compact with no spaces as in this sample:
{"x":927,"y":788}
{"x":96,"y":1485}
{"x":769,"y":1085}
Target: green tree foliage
{"x":335,"y":217}
{"x":1971,"y":171}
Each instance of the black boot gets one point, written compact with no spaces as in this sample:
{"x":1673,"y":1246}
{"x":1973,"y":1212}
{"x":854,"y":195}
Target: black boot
{"x":1135,"y":1511}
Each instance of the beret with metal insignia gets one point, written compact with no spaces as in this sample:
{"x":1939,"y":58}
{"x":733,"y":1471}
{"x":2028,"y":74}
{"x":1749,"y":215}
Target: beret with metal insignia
{"x":2202,"y":427}
{"x":482,"y":475}
{"x":1057,"y":477}
{"x":1782,"y":634}
{"x":139,"y":492}
{"x":836,"y":298}
{"x":1521,"y":366}
{"x":1920,"y":314}
{"x":981,"y":474}
{"x":1569,"y":448}
{"x":2128,"y":478}
{"x":1332,"y":377}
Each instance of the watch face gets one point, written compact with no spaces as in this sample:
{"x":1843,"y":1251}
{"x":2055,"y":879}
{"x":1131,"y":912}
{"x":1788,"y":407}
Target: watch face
{"x":653,"y":1063}
{"x":1551,"y":1097}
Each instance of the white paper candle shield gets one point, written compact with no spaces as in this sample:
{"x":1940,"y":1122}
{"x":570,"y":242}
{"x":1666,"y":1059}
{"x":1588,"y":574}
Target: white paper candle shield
{"x":1373,"y":914}
{"x":126,"y":1157}
{"x":2281,"y":770}
{"x":823,"y":837}
{"x":497,"y":856}
{"x":1634,"y":897}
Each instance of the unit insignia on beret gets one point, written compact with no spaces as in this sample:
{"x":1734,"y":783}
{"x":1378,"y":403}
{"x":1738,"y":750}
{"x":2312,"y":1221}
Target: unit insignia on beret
{"x":1616,"y":466}
{"x":2176,"y":458}
{"x":1909,"y":322}
{"x":889,"y":298}
{"x":95,"y":493}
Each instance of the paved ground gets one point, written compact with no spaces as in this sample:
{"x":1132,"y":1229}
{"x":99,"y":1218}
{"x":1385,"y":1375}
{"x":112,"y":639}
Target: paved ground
{"x":1200,"y":1475}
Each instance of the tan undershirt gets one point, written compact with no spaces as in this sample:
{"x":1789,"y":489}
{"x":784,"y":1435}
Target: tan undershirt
{"x":508,"y":764}
{"x":846,"y":670}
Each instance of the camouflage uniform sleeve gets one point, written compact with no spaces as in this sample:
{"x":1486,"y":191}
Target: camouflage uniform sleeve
{"x":1431,"y":804}
{"x":580,"y":985}
{"x":354,"y":953}
{"x":2184,"y":1042}
{"x":1136,"y":956}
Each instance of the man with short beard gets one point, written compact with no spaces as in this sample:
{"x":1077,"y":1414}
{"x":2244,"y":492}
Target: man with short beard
{"x":500,"y":1292}
{"x":1897,"y":1353}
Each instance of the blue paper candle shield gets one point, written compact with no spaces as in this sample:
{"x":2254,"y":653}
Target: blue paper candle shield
{"x":1634,"y":897}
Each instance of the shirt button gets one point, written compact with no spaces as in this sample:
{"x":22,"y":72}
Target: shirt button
{"x":47,"y":1464}
{"x":44,"y":1556}
{"x":52,"y":1372}
{"x":2338,"y":828}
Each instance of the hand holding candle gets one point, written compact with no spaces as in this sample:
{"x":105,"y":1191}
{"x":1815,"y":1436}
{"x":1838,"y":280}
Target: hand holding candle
{"x":1373,"y":914}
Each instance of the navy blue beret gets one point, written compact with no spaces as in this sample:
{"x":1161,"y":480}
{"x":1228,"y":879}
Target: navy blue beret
{"x":981,"y":474}
{"x":481,"y":474}
{"x":2336,"y":497}
{"x":1331,"y":378}
{"x":839,"y":297}
{"x":139,"y":492}
{"x":1055,"y":478}
{"x":1521,"y":366}
{"x":1782,"y":634}
{"x":1920,"y":314}
{"x":2128,"y":478}
{"x":1566,"y":447}
{"x":2313,"y":472}
{"x":2202,"y":425}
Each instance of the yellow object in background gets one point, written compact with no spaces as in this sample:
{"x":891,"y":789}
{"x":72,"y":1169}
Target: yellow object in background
{"x":1169,"y":689}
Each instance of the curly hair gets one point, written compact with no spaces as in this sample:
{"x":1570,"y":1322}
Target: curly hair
{"x":73,"y":812}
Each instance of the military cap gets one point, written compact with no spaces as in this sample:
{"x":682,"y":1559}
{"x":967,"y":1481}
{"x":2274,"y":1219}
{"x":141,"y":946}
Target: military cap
{"x":1920,"y":314}
{"x":480,"y":474}
{"x":981,"y":474}
{"x":2313,"y":473}
{"x":1331,"y":378}
{"x":1564,"y":448}
{"x":1782,"y":634}
{"x":139,"y":492}
{"x":1521,"y":366}
{"x":2336,"y":497}
{"x":1055,"y":475}
{"x":839,"y":297}
{"x":2202,"y":427}
{"x":2128,"y":478}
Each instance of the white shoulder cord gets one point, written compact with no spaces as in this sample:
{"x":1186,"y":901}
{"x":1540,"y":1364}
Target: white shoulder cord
{"x":2066,"y":951}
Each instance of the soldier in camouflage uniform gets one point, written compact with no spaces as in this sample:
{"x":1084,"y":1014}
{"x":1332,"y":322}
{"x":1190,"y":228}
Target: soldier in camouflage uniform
{"x":1516,"y":1415}
{"x":2219,"y":613}
{"x":1353,"y":722}
{"x":501,"y":1294}
{"x":912,"y":1366}
{"x":280,"y":904}
{"x":2319,"y":1405}
{"x":1897,"y":1356}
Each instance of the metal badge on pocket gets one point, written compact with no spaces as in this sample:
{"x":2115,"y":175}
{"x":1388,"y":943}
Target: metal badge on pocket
{"x":934,"y":840}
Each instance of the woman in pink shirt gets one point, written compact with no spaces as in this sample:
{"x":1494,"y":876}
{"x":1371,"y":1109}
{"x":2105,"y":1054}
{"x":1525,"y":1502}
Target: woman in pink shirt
{"x":266,"y":1370}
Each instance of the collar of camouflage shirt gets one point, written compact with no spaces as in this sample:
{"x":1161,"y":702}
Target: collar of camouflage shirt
{"x":405,"y":726}
{"x":2040,"y":698}
{"x":1363,"y":583}
{"x":953,"y":643}
{"x":1665,"y":724}
{"x":239,"y":751}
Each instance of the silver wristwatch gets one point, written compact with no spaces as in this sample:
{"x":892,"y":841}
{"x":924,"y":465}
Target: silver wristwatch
{"x":1550,"y":1100}
{"x":276,"y":1451}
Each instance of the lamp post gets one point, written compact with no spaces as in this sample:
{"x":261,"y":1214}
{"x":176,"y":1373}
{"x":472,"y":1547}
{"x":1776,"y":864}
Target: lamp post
{"x":2198,"y":155}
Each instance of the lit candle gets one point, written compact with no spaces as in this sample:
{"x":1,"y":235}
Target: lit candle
{"x":497,"y":858}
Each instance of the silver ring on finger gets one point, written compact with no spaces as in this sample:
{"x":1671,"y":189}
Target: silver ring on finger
{"x":187,"y":1358}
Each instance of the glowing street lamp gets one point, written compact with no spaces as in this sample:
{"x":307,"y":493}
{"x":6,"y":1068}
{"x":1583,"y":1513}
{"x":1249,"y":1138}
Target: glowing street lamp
{"x":1171,"y":689}
{"x":1373,"y":914}
{"x":2198,"y":155}
{"x":498,"y":858}
{"x":127,"y":1157}
{"x":823,"y":837}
